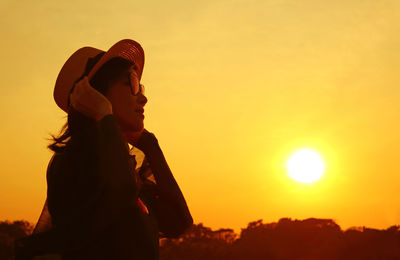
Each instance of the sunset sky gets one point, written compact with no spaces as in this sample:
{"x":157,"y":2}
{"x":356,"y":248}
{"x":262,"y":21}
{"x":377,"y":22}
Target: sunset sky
{"x":234,"y":88}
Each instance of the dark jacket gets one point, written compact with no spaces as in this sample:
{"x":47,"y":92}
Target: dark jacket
{"x":92,"y":200}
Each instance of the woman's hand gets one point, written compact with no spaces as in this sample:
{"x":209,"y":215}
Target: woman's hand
{"x":133,"y":137}
{"x":142,"y":140}
{"x":89,"y":101}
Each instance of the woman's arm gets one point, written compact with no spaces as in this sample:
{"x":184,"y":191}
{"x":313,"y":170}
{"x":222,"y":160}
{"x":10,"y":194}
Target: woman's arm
{"x":112,"y":165}
{"x":115,"y":170}
{"x":170,"y":206}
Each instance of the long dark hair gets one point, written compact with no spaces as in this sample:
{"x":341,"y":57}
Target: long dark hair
{"x":77,"y":124}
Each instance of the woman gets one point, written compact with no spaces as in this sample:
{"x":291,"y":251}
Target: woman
{"x":98,"y":205}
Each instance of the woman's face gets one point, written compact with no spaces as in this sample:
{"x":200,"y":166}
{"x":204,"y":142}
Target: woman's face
{"x":127,"y":108}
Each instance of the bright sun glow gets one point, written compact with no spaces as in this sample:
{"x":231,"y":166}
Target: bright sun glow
{"x":305,"y":166}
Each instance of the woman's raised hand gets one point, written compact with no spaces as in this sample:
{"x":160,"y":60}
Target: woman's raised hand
{"x":145,"y":141}
{"x":89,"y":101}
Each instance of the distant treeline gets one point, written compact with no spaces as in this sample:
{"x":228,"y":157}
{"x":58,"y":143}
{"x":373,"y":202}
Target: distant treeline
{"x":286,"y":239}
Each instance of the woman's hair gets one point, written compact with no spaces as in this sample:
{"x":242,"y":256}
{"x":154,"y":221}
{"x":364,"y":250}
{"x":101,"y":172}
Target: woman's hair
{"x":77,"y":123}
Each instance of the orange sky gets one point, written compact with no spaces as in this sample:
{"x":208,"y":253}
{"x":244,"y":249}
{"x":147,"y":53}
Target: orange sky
{"x":234,"y":88}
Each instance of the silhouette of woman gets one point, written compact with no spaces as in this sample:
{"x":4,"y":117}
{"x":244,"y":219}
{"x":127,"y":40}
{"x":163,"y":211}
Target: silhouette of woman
{"x":100,"y":204}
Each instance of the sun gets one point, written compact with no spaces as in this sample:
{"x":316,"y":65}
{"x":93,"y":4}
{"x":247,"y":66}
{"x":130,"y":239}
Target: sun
{"x":306,"y":166}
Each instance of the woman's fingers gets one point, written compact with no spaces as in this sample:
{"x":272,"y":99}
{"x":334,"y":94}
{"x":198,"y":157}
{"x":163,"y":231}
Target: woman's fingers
{"x":77,"y":105}
{"x":89,"y":101}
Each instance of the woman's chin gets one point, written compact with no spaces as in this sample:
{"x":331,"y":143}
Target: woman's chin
{"x":136,"y":127}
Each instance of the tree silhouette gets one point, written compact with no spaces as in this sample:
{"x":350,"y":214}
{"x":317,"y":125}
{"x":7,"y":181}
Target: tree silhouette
{"x":198,"y":242}
{"x":287,"y":239}
{"x":9,"y":231}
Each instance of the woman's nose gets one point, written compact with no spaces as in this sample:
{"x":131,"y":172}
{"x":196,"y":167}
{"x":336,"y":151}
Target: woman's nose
{"x":142,"y":99}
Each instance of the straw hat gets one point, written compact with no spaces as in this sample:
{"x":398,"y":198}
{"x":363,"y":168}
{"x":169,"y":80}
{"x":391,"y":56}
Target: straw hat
{"x":88,"y":60}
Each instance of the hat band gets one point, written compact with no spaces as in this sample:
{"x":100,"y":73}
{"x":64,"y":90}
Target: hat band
{"x":91,"y":62}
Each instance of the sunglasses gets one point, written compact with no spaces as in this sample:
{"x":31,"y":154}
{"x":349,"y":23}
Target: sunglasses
{"x":136,"y":88}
